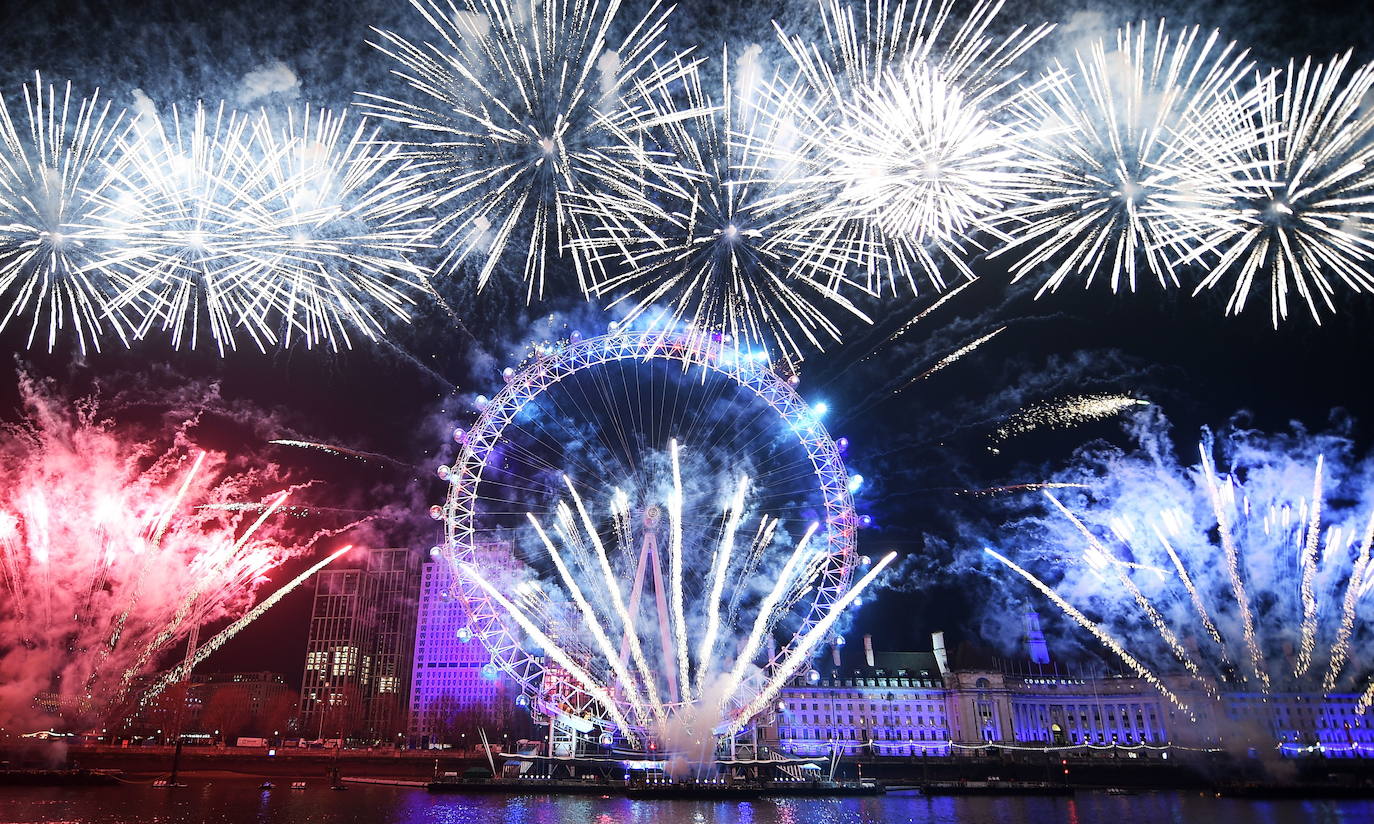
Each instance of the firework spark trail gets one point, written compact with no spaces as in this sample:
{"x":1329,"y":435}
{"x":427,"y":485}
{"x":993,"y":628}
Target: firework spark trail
{"x":342,"y":451}
{"x":914,"y":93}
{"x":1366,"y":699}
{"x":715,"y":675}
{"x":1259,"y":557}
{"x":763,"y":538}
{"x":1106,"y":639}
{"x":518,"y":111}
{"x":1308,"y":567}
{"x":719,"y":565}
{"x":1340,"y":650}
{"x":768,"y":608}
{"x":712,"y":244}
{"x":54,"y":236}
{"x":1140,"y":143}
{"x":1030,"y":487}
{"x":1105,"y":558}
{"x":1193,"y":595}
{"x":1299,"y":211}
{"x":620,"y":515}
{"x":1228,"y":544}
{"x":950,"y":358}
{"x":159,"y":529}
{"x":679,"y":619}
{"x":290,"y":510}
{"x":801,"y":650}
{"x":620,"y":503}
{"x":801,"y":586}
{"x":221,"y":563}
{"x":572,"y":536}
{"x":918,"y":317}
{"x":1162,"y":627}
{"x":100,"y":541}
{"x":551,"y":647}
{"x":206,"y":649}
{"x":1065,"y":412}
{"x":594,"y":625}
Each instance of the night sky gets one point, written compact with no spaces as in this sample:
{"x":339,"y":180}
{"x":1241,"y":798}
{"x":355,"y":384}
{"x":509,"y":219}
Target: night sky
{"x":918,"y":448}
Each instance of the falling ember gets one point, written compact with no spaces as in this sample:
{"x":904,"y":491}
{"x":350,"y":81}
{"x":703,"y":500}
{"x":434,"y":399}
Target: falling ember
{"x":1063,"y":413}
{"x":950,"y":358}
{"x":1031,"y":487}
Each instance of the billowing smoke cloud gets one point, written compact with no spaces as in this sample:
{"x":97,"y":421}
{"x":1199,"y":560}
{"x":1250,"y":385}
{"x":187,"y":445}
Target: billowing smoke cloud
{"x":274,"y":79}
{"x":1243,"y":559}
{"x":122,"y":528}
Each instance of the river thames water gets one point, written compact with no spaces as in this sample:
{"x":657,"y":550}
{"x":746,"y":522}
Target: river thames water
{"x":241,"y":802}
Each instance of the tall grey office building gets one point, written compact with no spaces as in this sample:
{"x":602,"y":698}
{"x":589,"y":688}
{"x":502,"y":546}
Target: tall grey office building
{"x":357,"y":660}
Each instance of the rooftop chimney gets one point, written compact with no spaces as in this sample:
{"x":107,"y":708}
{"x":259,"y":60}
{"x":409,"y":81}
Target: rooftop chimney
{"x":868,"y":650}
{"x":937,"y":643}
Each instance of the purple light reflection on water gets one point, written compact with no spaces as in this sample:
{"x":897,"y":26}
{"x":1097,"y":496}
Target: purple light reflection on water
{"x":221,"y":801}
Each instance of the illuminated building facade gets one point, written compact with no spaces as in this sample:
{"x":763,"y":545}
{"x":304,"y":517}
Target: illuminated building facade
{"x":357,"y":657}
{"x":1301,"y":725}
{"x":887,"y":703}
{"x":874,"y":704}
{"x":455,"y":688}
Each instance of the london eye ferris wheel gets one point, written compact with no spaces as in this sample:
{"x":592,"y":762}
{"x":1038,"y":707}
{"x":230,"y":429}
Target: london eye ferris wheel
{"x":651,"y":531}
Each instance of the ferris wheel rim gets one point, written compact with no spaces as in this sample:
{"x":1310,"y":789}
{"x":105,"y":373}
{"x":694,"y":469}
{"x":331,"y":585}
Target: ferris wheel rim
{"x":691,"y":349}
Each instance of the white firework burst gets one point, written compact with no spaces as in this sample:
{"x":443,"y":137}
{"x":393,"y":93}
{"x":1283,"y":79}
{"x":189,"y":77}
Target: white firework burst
{"x":1301,"y":211}
{"x":907,"y":130}
{"x":191,"y":225}
{"x":55,"y":162}
{"x":281,"y":231}
{"x":1138,"y":145}
{"x":343,"y":226}
{"x":518,"y":105}
{"x":928,"y":171}
{"x":714,"y":243}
